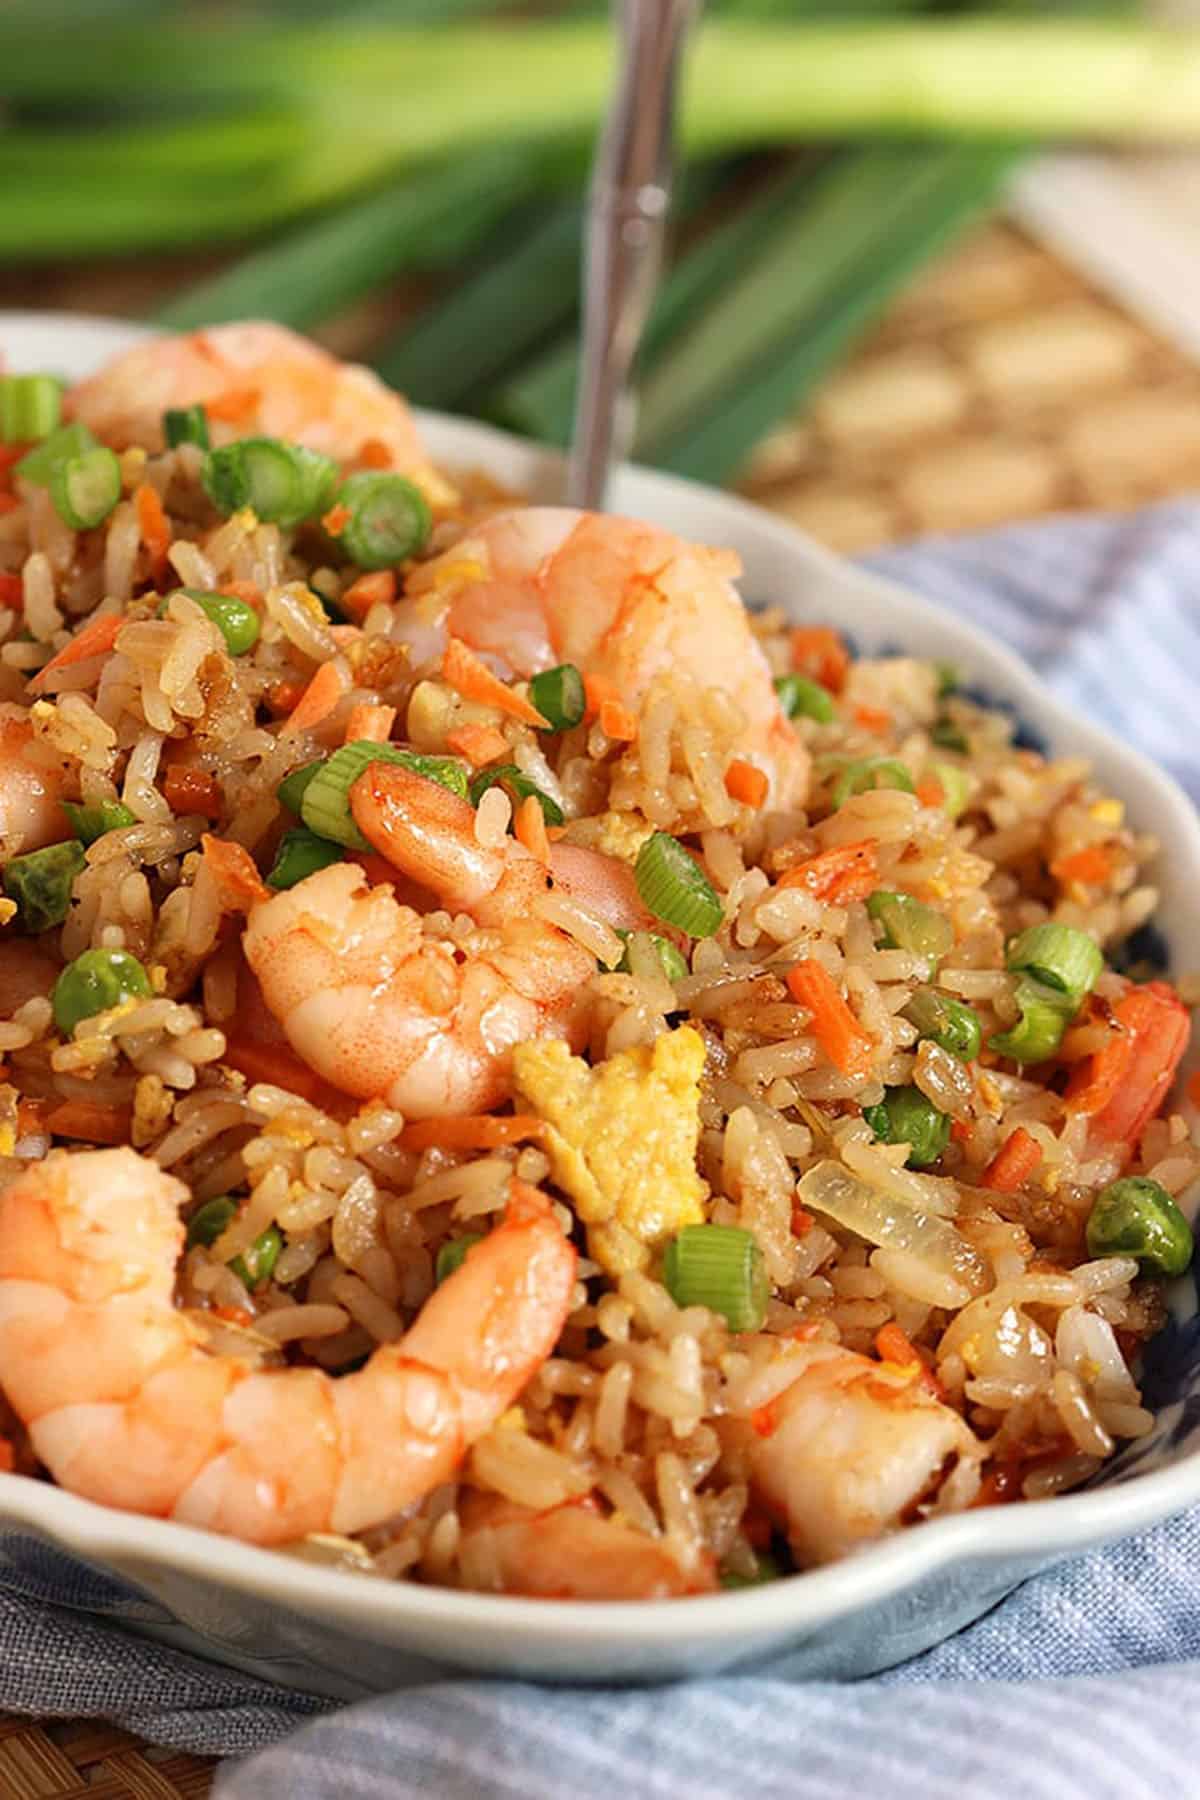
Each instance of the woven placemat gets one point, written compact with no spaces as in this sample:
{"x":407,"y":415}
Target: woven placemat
{"x":999,"y":387}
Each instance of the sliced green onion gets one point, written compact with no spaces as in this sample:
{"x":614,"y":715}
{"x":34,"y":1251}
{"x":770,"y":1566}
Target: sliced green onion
{"x":281,"y":483}
{"x":802,"y":698}
{"x":1137,"y":1217}
{"x":325,"y":803}
{"x":453,"y":1254}
{"x":30,"y":407}
{"x":91,"y":822}
{"x":389,"y":518}
{"x":909,"y":925}
{"x":558,"y":695}
{"x":1059,"y":956}
{"x":907,"y":1116}
{"x":947,"y":678}
{"x":948,"y":736}
{"x":213,"y":1220}
{"x":517,"y":786}
{"x":300,"y":854}
{"x":872,"y":772}
{"x":86,"y":488}
{"x":956,"y":785}
{"x":94,"y":982}
{"x":674,"y":963}
{"x":186,"y":425}
{"x":766,"y":1568}
{"x":234,"y":618}
{"x":673,"y":887}
{"x":721,"y":1267}
{"x":291,"y":789}
{"x":40,"y":882}
{"x":69,"y":441}
{"x":1045,"y":1014}
{"x":945,"y":1022}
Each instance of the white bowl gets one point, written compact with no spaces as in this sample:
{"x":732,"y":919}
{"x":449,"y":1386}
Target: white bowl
{"x":344,"y":1635}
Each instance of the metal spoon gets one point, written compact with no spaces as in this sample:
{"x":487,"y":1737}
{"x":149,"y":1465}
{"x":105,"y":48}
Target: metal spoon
{"x":627,"y":214}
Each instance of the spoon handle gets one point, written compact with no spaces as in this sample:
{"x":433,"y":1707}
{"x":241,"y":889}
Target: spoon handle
{"x":627,"y":214}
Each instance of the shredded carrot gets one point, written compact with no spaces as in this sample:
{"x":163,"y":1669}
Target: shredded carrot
{"x":529,"y":828}
{"x":819,"y":652}
{"x":617,"y":722}
{"x":232,"y":1315}
{"x":765,"y":1419}
{"x":845,"y":873}
{"x":283,"y":697}
{"x":336,"y":519}
{"x":802,"y":1221}
{"x":475,"y":681}
{"x":152,"y":521}
{"x":1015,"y":1161}
{"x":745,"y":782}
{"x":370,"y":724}
{"x":187,"y":789}
{"x":893,"y":1345}
{"x":837,"y":1030}
{"x":318,"y":699}
{"x":249,"y":591}
{"x":374,"y":454}
{"x":470,"y":1131}
{"x":596,"y":690}
{"x":368,"y":591}
{"x":872,"y":718}
{"x":12,"y":590}
{"x":805,"y":1332}
{"x":234,"y":405}
{"x":97,"y":637}
{"x":89,"y":1120}
{"x":275,"y":1065}
{"x":239,"y":884}
{"x":930,"y":792}
{"x":960,"y":1131}
{"x":10,"y":456}
{"x":1092,"y":865}
{"x":480,"y":744}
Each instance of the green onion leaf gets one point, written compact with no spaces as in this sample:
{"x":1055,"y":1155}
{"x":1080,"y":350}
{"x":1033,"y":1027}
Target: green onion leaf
{"x":30,"y":407}
{"x":1137,"y":1217}
{"x":389,"y":518}
{"x":909,"y":925}
{"x":721,"y":1267}
{"x":453,"y":1254}
{"x":325,"y":804}
{"x":39,"y":464}
{"x":945,"y":1022}
{"x":234,"y":618}
{"x":300,"y":854}
{"x":766,"y":1568}
{"x":213,"y":1219}
{"x":802,"y":698}
{"x":1045,"y":1014}
{"x":91,"y":822}
{"x":956,"y":785}
{"x":948,"y":736}
{"x":673,"y":887}
{"x":558,"y":695}
{"x":186,"y":425}
{"x":872,"y":772}
{"x":281,"y":483}
{"x":907,"y":1116}
{"x":674,"y":963}
{"x":86,"y":488}
{"x":94,"y":982}
{"x":1060,"y":957}
{"x":947,"y":678}
{"x":517,"y":786}
{"x":291,"y":789}
{"x":40,"y":882}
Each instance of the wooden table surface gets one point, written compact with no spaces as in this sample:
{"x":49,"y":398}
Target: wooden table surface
{"x":1000,"y":387}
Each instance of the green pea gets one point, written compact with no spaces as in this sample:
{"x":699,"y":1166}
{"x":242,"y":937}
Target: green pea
{"x":235,"y":619}
{"x":209,"y":1223}
{"x":907,"y":1116}
{"x":945,"y":1022}
{"x":41,"y":881}
{"x":95,"y":981}
{"x":1136,"y":1217}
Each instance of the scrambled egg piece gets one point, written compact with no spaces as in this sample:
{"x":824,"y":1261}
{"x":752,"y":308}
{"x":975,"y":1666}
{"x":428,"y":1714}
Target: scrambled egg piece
{"x":622,"y":1138}
{"x":619,"y":834}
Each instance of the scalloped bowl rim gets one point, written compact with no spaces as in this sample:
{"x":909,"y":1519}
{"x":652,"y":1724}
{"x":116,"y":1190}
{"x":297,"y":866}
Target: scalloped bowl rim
{"x":1034,"y":1530}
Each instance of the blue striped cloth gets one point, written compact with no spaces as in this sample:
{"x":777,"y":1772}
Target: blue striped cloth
{"x":1082,"y":1685}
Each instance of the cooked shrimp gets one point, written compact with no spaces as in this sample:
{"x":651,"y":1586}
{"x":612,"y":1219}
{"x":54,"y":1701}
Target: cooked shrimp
{"x":569,"y":1552}
{"x":126,"y":1406}
{"x":255,"y":378}
{"x":847,"y":1454}
{"x":30,"y":814}
{"x":623,"y":601}
{"x":378,"y":1006}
